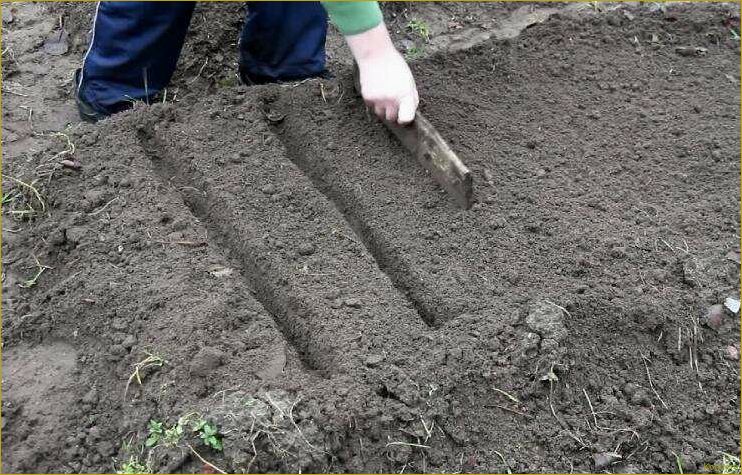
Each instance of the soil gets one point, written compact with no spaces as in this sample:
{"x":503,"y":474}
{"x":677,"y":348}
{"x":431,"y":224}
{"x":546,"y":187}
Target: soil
{"x":270,"y":260}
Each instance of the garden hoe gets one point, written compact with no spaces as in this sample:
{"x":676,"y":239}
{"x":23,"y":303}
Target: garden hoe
{"x":433,"y":153}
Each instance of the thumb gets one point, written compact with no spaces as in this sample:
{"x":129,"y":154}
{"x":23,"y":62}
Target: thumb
{"x":407,"y":108}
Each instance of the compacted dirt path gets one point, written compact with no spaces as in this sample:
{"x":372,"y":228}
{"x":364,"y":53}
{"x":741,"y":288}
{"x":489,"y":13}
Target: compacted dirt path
{"x":270,"y":264}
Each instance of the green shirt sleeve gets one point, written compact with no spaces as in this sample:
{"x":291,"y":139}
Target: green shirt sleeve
{"x":352,"y":18}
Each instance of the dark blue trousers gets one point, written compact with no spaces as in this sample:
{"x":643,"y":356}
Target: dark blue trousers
{"x":135,"y":47}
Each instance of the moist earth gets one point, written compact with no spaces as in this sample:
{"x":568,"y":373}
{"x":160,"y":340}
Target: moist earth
{"x":271,"y":262}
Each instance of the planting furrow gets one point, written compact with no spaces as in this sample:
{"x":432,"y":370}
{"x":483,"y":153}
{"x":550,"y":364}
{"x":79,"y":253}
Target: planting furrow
{"x":299,"y":255}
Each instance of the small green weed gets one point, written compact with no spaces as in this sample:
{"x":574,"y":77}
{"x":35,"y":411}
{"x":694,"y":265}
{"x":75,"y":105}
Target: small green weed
{"x":678,"y":463}
{"x":159,"y":435}
{"x":173,"y":435}
{"x":413,"y":53}
{"x":156,"y":433}
{"x":420,"y":28}
{"x":134,"y":466}
{"x":209,"y":434}
{"x":735,"y":35}
{"x":8,"y":198}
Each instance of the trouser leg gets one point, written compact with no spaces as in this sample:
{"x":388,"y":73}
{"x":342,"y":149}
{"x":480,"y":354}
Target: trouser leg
{"x":133,"y":52}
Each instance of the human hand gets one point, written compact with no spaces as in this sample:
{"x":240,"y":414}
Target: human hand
{"x":387,"y":85}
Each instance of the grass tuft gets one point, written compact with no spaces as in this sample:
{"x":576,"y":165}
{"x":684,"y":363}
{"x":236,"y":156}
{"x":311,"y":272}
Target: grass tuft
{"x":419,"y":28}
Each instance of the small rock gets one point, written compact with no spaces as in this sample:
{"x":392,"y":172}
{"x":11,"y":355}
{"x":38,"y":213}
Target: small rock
{"x":531,"y":144}
{"x":56,"y":43}
{"x":7,"y":14}
{"x":129,"y":342}
{"x":374,"y":360}
{"x":306,"y":249}
{"x":715,"y":316}
{"x":604,"y":459}
{"x":268,"y":189}
{"x":546,"y":320}
{"x":353,"y":303}
{"x":731,"y":353}
{"x":732,"y":304}
{"x":205,"y":361}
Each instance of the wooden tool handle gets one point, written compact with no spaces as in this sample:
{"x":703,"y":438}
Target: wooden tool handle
{"x":433,"y":153}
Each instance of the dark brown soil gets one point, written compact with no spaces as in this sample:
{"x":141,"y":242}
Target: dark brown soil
{"x":315,"y":295}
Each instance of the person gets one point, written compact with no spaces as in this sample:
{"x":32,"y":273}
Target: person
{"x":135,"y":46}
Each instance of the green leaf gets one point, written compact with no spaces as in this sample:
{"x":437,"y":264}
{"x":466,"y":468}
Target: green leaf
{"x":155,"y":427}
{"x":214,"y":442}
{"x":152,"y":440}
{"x":199,"y":425}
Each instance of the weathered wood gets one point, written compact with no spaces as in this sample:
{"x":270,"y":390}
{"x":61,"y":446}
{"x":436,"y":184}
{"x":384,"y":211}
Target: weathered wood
{"x":433,"y":153}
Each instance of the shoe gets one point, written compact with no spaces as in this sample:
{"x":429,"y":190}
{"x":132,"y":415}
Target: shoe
{"x":250,"y":79}
{"x":87,"y":111}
